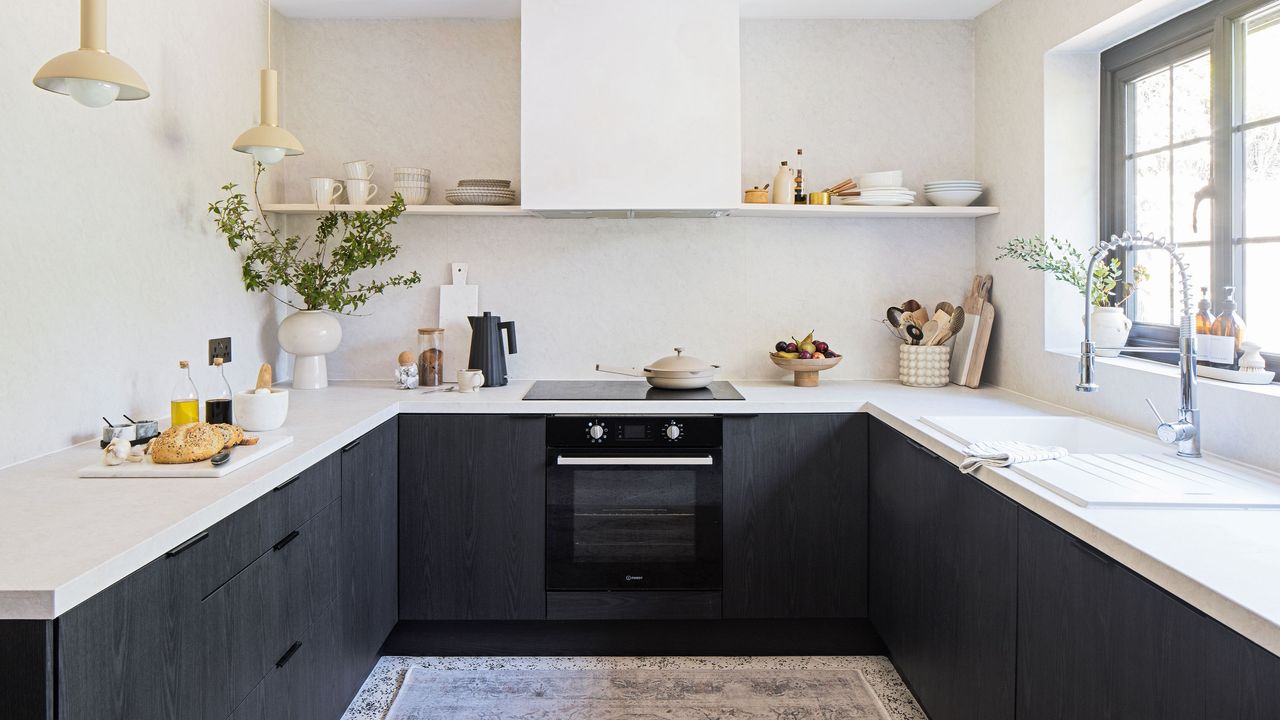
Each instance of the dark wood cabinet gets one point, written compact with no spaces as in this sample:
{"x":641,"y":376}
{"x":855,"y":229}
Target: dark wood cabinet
{"x":369,"y":606}
{"x":1097,"y":641}
{"x":795,"y":516}
{"x":472,"y":517}
{"x":943,"y":591}
{"x":1242,"y":678}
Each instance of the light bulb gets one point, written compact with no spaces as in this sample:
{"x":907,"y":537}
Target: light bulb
{"x":267,"y":155}
{"x":92,"y":93}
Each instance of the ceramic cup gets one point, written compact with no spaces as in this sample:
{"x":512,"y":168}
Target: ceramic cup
{"x":360,"y":192}
{"x":359,"y":170}
{"x":324,"y":191}
{"x":470,"y":380}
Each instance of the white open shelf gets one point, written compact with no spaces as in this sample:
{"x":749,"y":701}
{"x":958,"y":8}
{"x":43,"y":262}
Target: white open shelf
{"x":464,"y":210}
{"x":858,"y":211}
{"x":761,"y":210}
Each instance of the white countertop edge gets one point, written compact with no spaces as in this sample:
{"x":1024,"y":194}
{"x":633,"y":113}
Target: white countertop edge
{"x":24,"y":604}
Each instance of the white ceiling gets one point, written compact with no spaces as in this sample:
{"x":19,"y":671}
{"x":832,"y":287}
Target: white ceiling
{"x":898,"y":9}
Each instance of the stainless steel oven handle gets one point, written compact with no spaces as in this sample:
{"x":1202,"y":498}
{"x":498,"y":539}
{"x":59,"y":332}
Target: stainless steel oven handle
{"x":653,"y":460}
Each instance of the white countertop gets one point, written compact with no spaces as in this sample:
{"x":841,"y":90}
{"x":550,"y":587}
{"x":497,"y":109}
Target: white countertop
{"x":64,"y":539}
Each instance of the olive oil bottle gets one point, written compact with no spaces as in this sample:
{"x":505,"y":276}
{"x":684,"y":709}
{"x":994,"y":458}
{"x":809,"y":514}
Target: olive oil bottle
{"x":184,"y":403}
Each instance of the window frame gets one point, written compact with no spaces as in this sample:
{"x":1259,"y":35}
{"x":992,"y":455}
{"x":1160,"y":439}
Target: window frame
{"x":1215,"y":27}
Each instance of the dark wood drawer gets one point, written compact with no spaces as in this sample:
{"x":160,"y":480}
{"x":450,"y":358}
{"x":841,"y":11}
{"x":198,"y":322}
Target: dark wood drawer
{"x":634,"y":605}
{"x":272,"y":603}
{"x":304,"y":682}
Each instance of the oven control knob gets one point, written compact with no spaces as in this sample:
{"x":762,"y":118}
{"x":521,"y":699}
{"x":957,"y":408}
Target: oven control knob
{"x":596,"y":431}
{"x":673,"y":431}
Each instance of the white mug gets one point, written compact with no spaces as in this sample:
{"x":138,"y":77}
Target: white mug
{"x":470,"y":380}
{"x":324,"y":191}
{"x":359,"y":170}
{"x":360,"y":192}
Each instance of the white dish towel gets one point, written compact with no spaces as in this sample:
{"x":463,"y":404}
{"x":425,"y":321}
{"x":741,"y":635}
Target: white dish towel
{"x":1003,"y":453}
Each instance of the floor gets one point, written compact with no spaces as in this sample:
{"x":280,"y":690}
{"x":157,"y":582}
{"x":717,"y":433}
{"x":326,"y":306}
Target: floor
{"x":374,"y":698}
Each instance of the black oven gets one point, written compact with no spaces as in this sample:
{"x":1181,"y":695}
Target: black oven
{"x":634,"y":503}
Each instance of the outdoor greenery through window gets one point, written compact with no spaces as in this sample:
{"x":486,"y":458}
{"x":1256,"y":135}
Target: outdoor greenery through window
{"x":1191,"y":152}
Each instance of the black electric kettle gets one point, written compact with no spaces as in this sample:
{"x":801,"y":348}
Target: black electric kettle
{"x":487,"y":353}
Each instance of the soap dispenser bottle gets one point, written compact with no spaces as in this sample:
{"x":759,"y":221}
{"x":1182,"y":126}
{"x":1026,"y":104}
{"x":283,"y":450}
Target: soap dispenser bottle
{"x":784,"y":185}
{"x":1229,"y":323}
{"x":1204,"y":318}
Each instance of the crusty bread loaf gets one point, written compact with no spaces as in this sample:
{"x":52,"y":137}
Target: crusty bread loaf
{"x":188,"y":443}
{"x":233,"y":434}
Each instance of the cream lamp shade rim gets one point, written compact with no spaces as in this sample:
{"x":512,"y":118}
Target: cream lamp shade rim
{"x":267,"y":136}
{"x":91,"y":64}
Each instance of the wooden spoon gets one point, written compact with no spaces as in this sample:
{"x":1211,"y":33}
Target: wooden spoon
{"x":930,"y":332}
{"x":264,"y":376}
{"x":945,"y":307}
{"x":954,"y":327}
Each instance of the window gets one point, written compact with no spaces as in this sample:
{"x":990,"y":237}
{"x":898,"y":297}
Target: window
{"x":1191,"y":152}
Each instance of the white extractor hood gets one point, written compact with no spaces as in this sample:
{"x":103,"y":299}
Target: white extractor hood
{"x":630,"y":109}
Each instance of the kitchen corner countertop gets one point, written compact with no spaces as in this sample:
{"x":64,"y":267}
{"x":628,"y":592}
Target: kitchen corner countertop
{"x":64,"y":539}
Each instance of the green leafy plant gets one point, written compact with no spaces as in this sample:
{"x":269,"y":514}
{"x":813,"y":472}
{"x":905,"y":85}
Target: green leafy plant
{"x":1065,"y":262}
{"x":318,"y":268}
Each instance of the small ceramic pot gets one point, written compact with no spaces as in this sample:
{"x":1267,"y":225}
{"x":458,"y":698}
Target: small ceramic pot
{"x":924,"y":365}
{"x":1110,"y":329}
{"x":310,"y":335}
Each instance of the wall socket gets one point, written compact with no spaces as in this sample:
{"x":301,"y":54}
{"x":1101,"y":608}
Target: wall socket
{"x":220,"y":348}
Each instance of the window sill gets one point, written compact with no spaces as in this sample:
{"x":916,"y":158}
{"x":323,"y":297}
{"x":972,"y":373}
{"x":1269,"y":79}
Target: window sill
{"x":1171,"y":371}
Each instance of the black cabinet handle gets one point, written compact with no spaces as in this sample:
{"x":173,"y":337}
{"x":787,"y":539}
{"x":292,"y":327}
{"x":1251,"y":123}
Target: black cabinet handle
{"x":1092,"y":552}
{"x":288,"y":653}
{"x":921,"y":448}
{"x":188,"y":544}
{"x":350,"y":445}
{"x":285,"y":484}
{"x":285,"y":540}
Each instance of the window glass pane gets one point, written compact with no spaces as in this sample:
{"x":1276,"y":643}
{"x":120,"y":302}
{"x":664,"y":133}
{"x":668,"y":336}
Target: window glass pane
{"x":1262,"y":181}
{"x":1151,"y":111}
{"x":1151,"y":181}
{"x":1191,"y":168}
{"x":1191,"y":92}
{"x":1159,"y":299}
{"x":1262,"y":295}
{"x":1261,"y":64}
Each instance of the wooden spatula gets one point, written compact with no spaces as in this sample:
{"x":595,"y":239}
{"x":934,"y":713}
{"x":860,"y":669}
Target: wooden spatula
{"x":264,"y":377}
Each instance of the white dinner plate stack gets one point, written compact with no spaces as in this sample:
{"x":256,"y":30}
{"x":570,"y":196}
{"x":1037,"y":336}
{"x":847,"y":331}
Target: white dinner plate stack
{"x":481,"y":192}
{"x":882,"y":196}
{"x":952,"y":193}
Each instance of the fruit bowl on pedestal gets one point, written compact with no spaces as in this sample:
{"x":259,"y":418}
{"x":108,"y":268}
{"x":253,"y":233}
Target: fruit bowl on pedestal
{"x":806,"y":371}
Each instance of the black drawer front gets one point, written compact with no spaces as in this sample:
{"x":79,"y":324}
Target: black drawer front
{"x":634,"y":605}
{"x":304,"y":682}
{"x":270,"y":604}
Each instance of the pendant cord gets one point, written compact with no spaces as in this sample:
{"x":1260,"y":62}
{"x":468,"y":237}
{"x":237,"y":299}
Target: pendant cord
{"x":268,"y":34}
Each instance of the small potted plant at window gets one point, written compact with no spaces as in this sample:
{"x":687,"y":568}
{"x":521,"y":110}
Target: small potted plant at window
{"x":1065,"y":262}
{"x":317,"y":268}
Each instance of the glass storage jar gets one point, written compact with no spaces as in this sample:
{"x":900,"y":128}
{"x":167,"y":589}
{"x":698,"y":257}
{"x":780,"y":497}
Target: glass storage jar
{"x":430,"y":356}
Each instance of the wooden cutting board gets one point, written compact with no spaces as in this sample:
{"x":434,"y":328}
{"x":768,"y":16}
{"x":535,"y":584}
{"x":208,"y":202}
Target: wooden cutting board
{"x":240,"y":456}
{"x":458,"y":301}
{"x":970,"y":351}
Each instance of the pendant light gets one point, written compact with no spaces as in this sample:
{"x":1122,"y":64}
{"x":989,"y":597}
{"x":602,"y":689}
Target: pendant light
{"x":268,"y":142}
{"x":91,"y":75}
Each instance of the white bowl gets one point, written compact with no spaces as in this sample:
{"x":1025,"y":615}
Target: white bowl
{"x":260,"y":413}
{"x":953,"y":198}
{"x":412,"y":197}
{"x":886,"y":178}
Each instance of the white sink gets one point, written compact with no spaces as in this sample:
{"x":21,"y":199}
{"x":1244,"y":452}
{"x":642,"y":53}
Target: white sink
{"x":1113,"y":467}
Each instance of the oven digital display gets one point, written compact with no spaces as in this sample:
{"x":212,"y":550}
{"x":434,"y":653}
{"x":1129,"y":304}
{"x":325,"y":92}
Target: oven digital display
{"x":633,"y":432}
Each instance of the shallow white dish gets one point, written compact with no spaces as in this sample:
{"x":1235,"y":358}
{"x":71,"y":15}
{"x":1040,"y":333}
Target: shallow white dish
{"x":885,"y":178}
{"x":1236,"y":376}
{"x":884,"y":202}
{"x":953,"y":182}
{"x":953,"y":198}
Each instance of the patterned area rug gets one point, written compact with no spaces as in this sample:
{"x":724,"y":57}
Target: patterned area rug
{"x":632,"y":694}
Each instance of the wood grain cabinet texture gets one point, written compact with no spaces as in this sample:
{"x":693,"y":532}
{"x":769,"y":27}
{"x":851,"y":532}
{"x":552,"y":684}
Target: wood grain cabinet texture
{"x":472,"y":517}
{"x":795,"y":516}
{"x":943,"y":580}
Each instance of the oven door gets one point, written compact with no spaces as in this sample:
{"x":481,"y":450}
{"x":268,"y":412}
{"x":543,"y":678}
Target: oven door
{"x":639,"y":521}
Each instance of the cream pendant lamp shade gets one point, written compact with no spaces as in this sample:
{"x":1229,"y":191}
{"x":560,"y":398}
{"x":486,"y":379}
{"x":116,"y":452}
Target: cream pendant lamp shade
{"x":268,"y":142}
{"x":91,"y":75}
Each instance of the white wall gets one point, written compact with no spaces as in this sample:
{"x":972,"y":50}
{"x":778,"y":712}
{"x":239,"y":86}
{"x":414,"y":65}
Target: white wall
{"x":112,"y":272}
{"x":1027,"y":161}
{"x":445,"y":94}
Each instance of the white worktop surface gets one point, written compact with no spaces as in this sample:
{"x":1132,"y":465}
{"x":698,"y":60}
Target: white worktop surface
{"x":64,"y":539}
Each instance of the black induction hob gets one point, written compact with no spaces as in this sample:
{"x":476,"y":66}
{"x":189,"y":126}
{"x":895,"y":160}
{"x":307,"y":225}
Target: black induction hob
{"x":625,"y":390}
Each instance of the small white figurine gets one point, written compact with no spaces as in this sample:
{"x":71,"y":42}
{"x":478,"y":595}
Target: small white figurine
{"x":407,"y":373}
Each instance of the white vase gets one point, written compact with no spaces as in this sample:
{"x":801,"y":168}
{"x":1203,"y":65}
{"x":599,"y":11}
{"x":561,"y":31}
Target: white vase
{"x":310,"y":335}
{"x":1110,"y":329}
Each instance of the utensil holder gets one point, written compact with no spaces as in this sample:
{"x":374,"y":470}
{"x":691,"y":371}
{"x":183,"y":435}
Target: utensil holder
{"x":924,"y":365}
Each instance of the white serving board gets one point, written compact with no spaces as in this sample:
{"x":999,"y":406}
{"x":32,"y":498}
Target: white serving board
{"x":240,"y":456}
{"x":458,"y":301}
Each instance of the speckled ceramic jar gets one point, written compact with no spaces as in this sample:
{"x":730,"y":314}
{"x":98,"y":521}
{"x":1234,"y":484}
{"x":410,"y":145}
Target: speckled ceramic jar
{"x":924,"y":365}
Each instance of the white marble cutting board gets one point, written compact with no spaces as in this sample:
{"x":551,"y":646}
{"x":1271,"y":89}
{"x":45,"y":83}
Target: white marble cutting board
{"x":240,"y":456}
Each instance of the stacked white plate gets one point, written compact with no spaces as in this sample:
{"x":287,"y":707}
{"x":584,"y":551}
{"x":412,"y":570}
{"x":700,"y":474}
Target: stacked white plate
{"x":413,"y":184}
{"x":882,"y":196}
{"x":481,"y":192}
{"x":952,"y":193}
